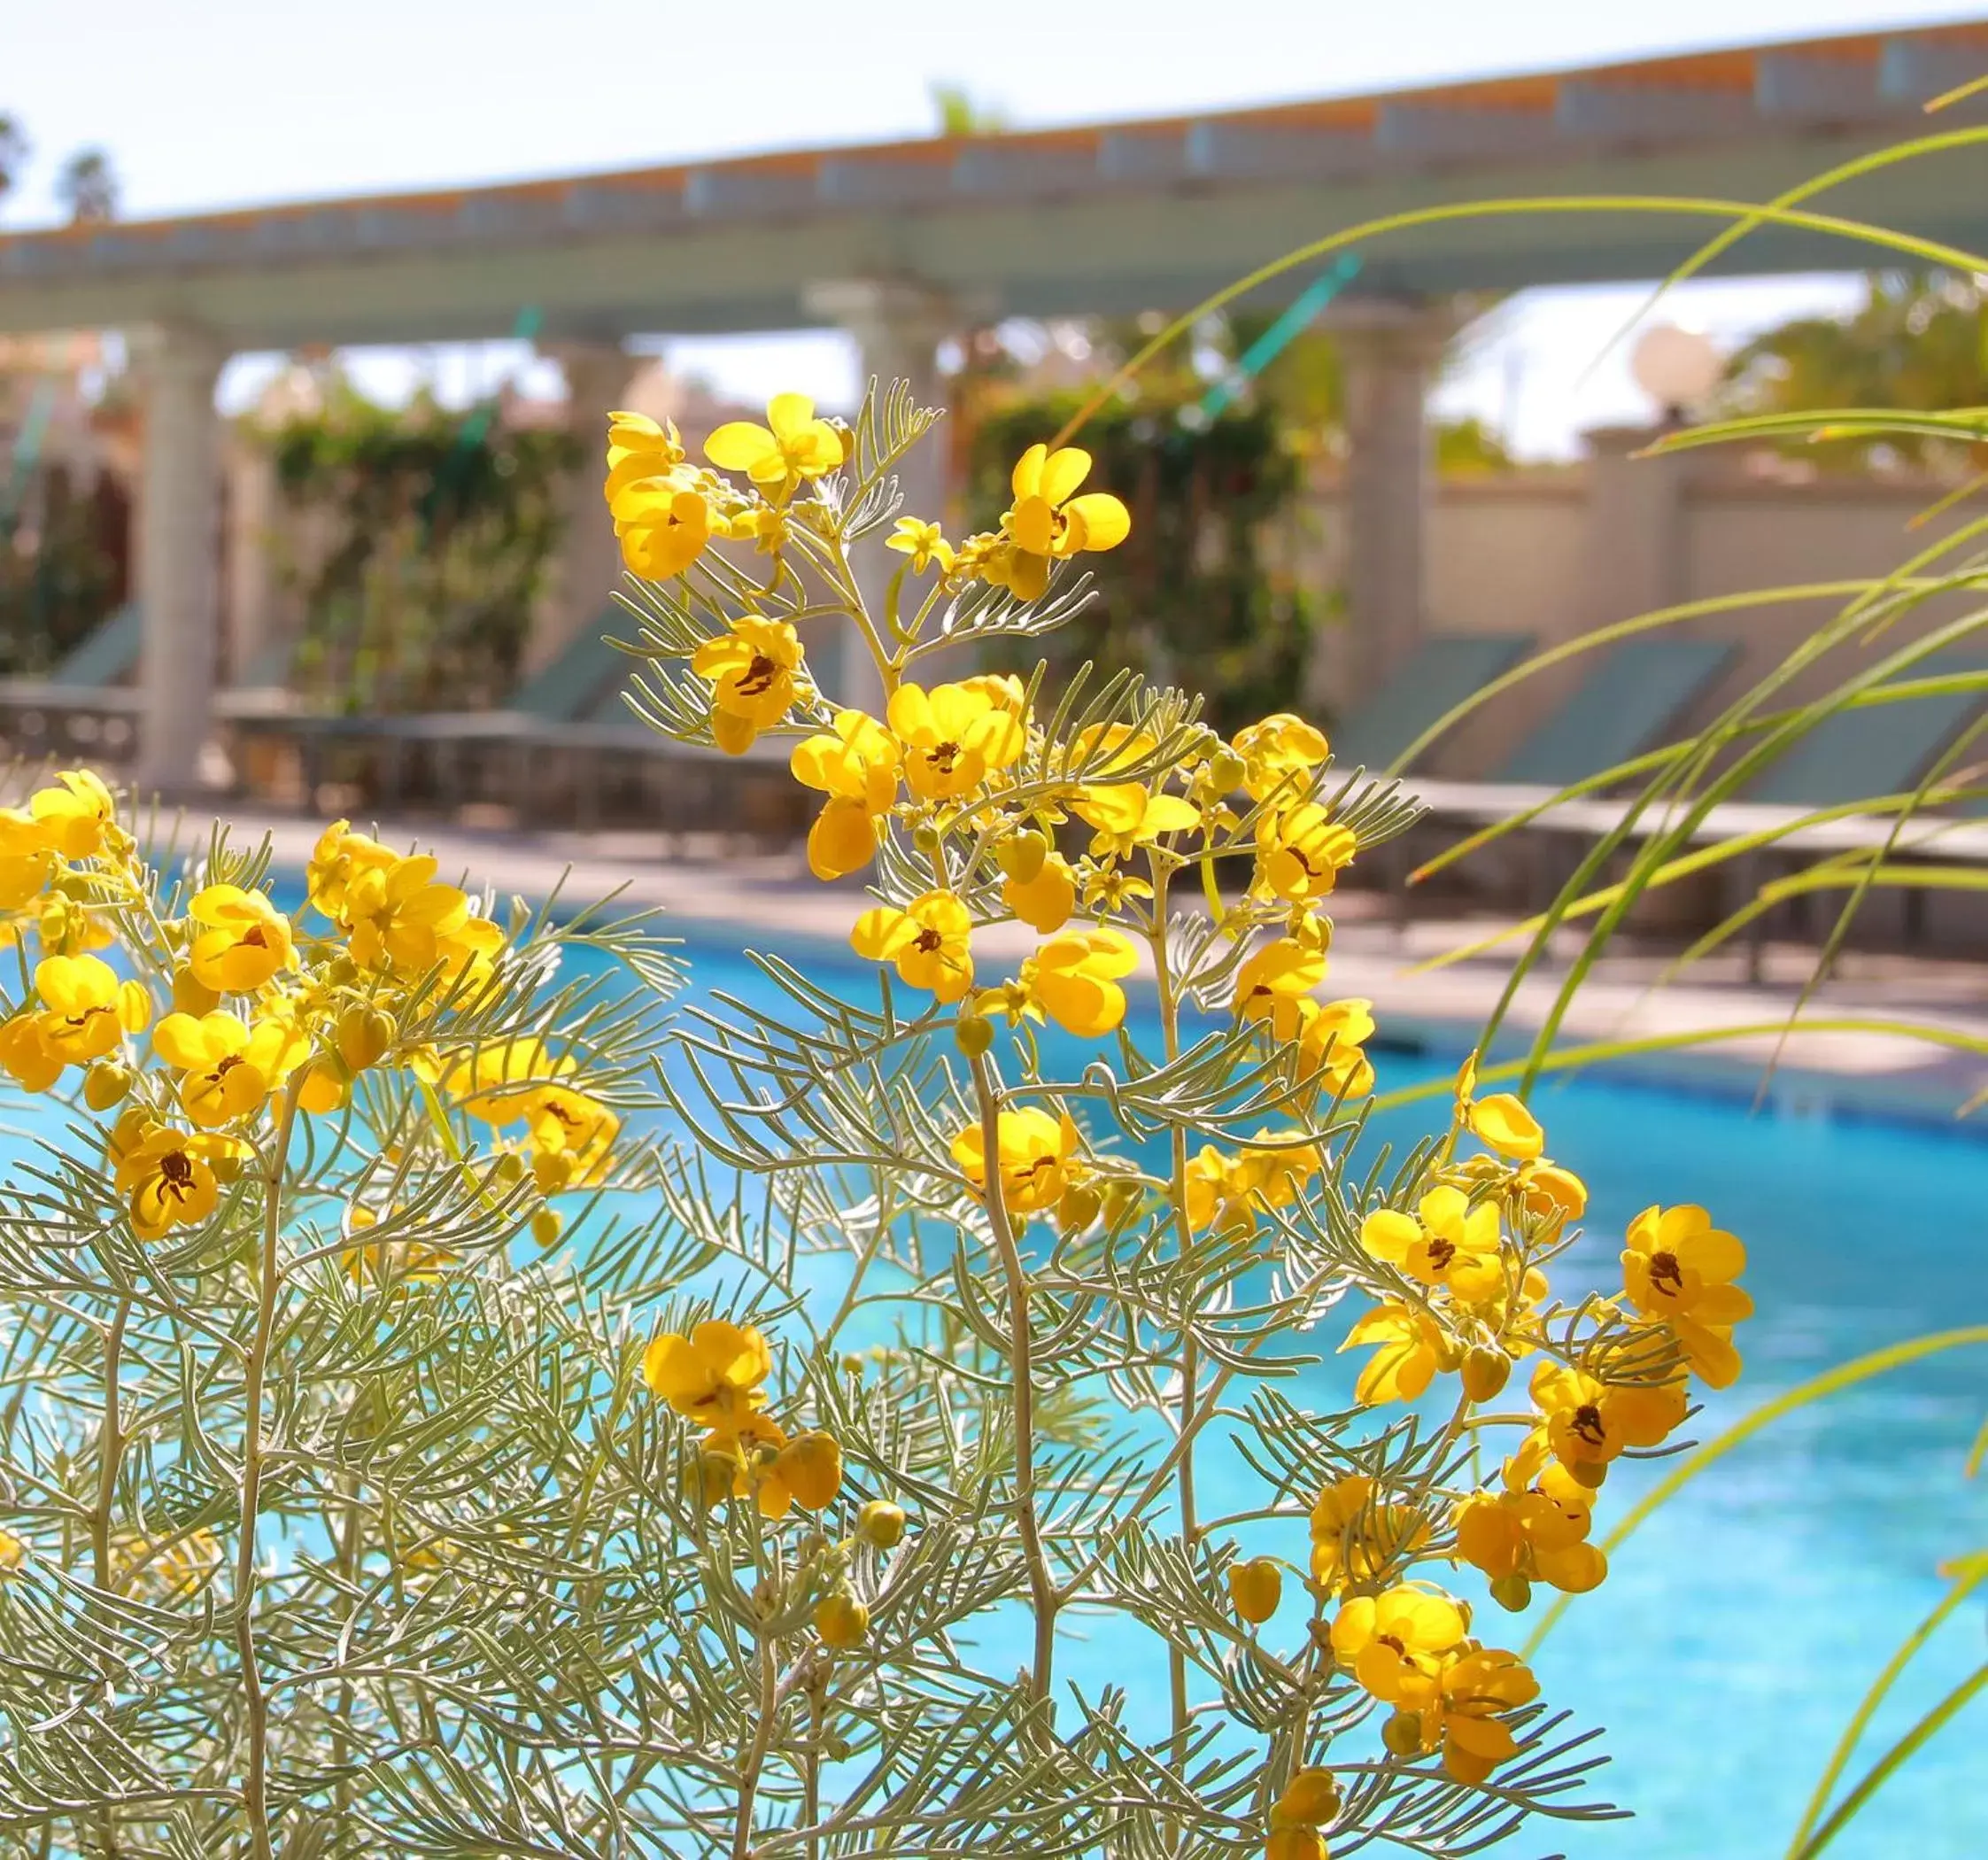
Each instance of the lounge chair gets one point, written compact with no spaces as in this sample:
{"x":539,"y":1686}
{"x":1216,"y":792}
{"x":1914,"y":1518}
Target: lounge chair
{"x":1442,"y":671}
{"x":86,"y":706}
{"x":1628,"y":704}
{"x":1875,"y":749}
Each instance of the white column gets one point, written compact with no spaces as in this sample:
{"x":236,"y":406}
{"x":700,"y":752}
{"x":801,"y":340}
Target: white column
{"x":179,"y":515}
{"x":587,"y":569}
{"x":898,"y":325}
{"x":255,"y":592}
{"x":1389,"y":351}
{"x":1633,"y":547}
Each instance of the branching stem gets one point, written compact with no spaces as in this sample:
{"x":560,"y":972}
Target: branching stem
{"x":1042,"y":1589}
{"x":255,"y":1779}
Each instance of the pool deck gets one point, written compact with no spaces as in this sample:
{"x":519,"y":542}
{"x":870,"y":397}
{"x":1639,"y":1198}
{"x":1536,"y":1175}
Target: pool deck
{"x":739,"y":897}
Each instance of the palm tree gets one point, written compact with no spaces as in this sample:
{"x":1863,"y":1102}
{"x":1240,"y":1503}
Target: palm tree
{"x":14,"y":151}
{"x":88,"y":186}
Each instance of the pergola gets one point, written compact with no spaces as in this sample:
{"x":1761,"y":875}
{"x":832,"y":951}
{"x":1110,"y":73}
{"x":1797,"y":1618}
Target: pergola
{"x":905,"y":243}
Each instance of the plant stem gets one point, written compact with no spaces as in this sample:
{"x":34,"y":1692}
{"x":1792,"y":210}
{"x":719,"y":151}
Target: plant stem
{"x":761,"y":1740}
{"x":1190,"y":1352}
{"x":110,"y":1453}
{"x":1042,"y":1589}
{"x":255,"y":1780}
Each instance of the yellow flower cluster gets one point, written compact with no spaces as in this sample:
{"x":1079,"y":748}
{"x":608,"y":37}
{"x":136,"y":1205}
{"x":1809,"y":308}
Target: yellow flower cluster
{"x":265,"y":1017}
{"x":714,"y":1377}
{"x":977,"y":811}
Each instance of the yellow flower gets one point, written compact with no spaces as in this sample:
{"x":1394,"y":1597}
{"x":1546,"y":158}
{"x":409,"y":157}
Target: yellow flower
{"x":1215,"y":1197}
{"x":399,"y":918}
{"x":1271,"y":984}
{"x":1678,"y":1267}
{"x":246,"y":941}
{"x":954,"y":736}
{"x":1074,"y":977}
{"x":638,"y":448}
{"x":712,"y":1376}
{"x":1330,"y":1035}
{"x":1409,"y":1353}
{"x":227,"y":1070}
{"x":1302,"y":851}
{"x":1500,"y":1121}
{"x":1296,"y":1843}
{"x":25,"y":1055}
{"x":1279,"y":755}
{"x":923,"y":542}
{"x":340,"y":856}
{"x":1536,"y":1528}
{"x":929,"y":942}
{"x":1353,"y":1540}
{"x":751,"y":672}
{"x":857,"y":767}
{"x":1276,"y":1172}
{"x":662,"y":523}
{"x":1256,"y":1587}
{"x":1446,"y":1242}
{"x":1036,"y":1152}
{"x":88,"y":1007}
{"x":78,"y":816}
{"x":1394,"y":1644}
{"x":807,"y":1471}
{"x":791,"y":446}
{"x":169,"y":1179}
{"x":1127,"y":814}
{"x":1309,"y":1800}
{"x":1476,"y":1688}
{"x":27,"y":859}
{"x":1045,"y":900}
{"x":1046,"y":522}
{"x":571,"y":1135}
{"x":1588,"y":1423}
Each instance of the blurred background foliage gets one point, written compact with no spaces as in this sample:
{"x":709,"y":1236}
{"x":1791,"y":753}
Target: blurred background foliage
{"x":435,"y":534}
{"x":1918,"y":344}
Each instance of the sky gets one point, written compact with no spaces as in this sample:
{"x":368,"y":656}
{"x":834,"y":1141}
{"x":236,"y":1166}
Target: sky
{"x":227,"y":103}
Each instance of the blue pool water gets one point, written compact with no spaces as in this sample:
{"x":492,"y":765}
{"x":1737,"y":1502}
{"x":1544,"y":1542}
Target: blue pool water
{"x":1738,"y":1629}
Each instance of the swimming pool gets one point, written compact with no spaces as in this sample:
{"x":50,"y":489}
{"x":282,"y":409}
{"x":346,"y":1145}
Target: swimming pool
{"x":1739,"y":1627}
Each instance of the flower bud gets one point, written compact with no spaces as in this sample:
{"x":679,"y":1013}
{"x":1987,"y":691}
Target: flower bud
{"x":1021,"y":856}
{"x":546,"y":1225}
{"x":712,"y":1475}
{"x":1079,"y":1207}
{"x":364,"y":1036}
{"x":552,"y":1170}
{"x":1589,"y":1473}
{"x":1402,"y":1734}
{"x":1296,"y":1843}
{"x":1512,"y":1592}
{"x":105,"y":1084}
{"x":1485,"y":1373}
{"x":1311,"y":1799}
{"x":882,"y":1524}
{"x":841,"y":1620}
{"x":973,"y":1034}
{"x":509,"y":1169}
{"x":1256,"y":1587}
{"x":924,"y":836}
{"x":1227,"y":771}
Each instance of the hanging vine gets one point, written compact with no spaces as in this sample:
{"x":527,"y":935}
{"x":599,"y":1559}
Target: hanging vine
{"x":420,"y":590}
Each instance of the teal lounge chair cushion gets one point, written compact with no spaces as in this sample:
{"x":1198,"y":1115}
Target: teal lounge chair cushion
{"x":108,"y":656}
{"x":1875,"y":750}
{"x":1442,"y":671}
{"x":1631,"y":697}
